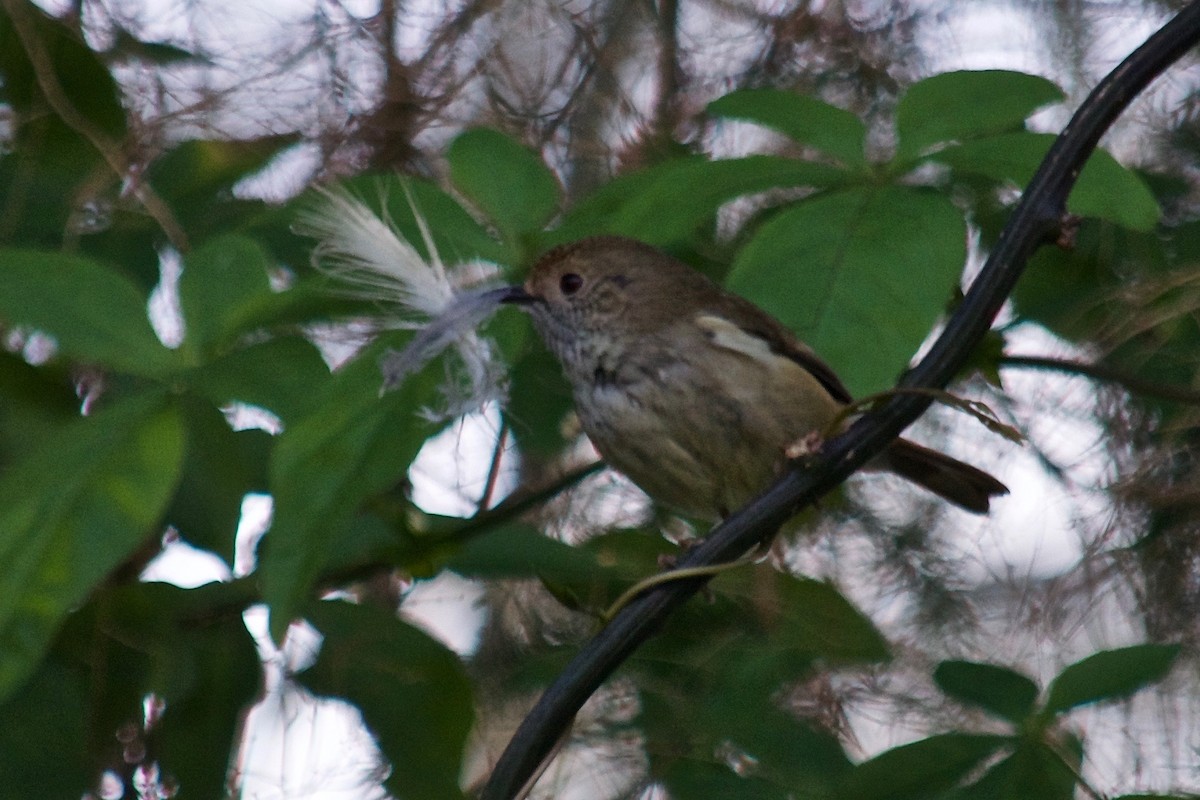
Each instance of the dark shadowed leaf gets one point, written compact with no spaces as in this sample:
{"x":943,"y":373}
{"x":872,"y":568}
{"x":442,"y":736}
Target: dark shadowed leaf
{"x":1032,"y":772}
{"x":413,"y":693}
{"x":997,"y":689}
{"x":920,"y":769}
{"x":220,"y":468}
{"x":37,"y":402}
{"x":284,"y":375}
{"x":1110,"y":675}
{"x":354,"y":445}
{"x":44,"y":741}
{"x":805,"y":616}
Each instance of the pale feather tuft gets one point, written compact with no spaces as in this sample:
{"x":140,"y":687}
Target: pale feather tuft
{"x":370,"y":259}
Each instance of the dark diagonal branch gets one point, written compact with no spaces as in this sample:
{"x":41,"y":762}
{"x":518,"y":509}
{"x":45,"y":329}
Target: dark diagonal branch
{"x":1035,"y":220}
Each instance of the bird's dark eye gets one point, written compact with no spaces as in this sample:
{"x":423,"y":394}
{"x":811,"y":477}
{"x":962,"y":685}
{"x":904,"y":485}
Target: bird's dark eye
{"x":570,"y":283}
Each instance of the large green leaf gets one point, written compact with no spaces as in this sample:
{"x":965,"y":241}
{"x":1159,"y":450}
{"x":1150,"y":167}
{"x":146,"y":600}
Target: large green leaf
{"x":43,"y":741}
{"x":1110,"y":675}
{"x":285,"y":375}
{"x":920,"y":769}
{"x":413,"y":693}
{"x":805,"y":119}
{"x":669,"y":202}
{"x":1105,"y":189}
{"x":805,"y":616}
{"x":208,"y":675}
{"x":219,"y":284}
{"x":221,"y":467}
{"x":958,"y":106}
{"x":33,"y":404}
{"x":860,"y":274}
{"x":1033,"y":771}
{"x":997,"y":689}
{"x":95,"y":314}
{"x":356,"y":444}
{"x":75,"y":510}
{"x":511,"y":185}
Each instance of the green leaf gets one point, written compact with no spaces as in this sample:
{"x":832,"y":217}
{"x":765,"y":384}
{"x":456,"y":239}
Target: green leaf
{"x":1105,"y":189}
{"x":197,"y":178}
{"x":34,"y":402}
{"x":920,"y":769}
{"x":413,"y":693}
{"x":539,"y":401}
{"x":43,"y":741}
{"x":209,"y":676}
{"x":689,"y":779}
{"x":511,"y":185}
{"x":126,"y":45}
{"x":221,"y":467}
{"x":821,"y":622}
{"x":95,"y":314}
{"x":1032,"y":772}
{"x":861,"y":275}
{"x":1110,"y":675}
{"x":669,"y":202}
{"x":518,"y":551}
{"x":284,"y":375}
{"x":218,"y":282}
{"x":356,"y":444}
{"x":805,"y":119}
{"x":958,"y":106}
{"x":997,"y":689}
{"x":75,"y":510}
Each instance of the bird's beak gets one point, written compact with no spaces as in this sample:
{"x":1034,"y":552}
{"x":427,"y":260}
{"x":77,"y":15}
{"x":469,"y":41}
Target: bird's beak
{"x":516,"y":295}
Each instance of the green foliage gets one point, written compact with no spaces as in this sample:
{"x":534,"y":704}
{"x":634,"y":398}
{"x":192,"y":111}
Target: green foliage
{"x":106,"y":325}
{"x":1039,"y":759}
{"x":1110,"y":675}
{"x":61,"y":533}
{"x":807,"y":120}
{"x":412,"y":691}
{"x":1001,"y":691}
{"x":960,"y":106}
{"x":520,"y":204}
{"x":860,"y":257}
{"x":832,"y":246}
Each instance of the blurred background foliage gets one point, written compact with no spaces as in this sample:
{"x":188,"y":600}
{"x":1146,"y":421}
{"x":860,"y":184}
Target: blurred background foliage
{"x":172,"y":360}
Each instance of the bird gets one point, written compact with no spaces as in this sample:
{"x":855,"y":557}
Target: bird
{"x":693,"y":392}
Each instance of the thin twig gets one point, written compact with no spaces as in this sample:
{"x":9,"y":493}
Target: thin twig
{"x":1103,"y":372}
{"x":489,"y":486}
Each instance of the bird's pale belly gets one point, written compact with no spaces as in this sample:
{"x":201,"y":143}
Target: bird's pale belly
{"x":701,"y":443}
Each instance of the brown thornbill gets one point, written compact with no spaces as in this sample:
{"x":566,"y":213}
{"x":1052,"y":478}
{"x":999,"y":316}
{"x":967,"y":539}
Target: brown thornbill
{"x":695,"y":393}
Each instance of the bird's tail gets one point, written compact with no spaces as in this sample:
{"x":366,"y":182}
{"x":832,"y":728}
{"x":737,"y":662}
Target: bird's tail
{"x":961,"y":484}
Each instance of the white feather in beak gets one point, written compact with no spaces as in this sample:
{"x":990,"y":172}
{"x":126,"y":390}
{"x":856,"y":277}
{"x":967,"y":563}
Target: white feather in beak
{"x":369,"y":256}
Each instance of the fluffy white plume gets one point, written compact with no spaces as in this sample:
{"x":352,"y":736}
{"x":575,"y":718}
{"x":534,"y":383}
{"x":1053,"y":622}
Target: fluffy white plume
{"x":370,"y":258}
